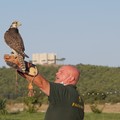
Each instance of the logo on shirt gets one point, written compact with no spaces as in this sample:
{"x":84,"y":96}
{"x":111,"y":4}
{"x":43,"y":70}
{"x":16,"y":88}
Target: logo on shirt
{"x":77,"y":105}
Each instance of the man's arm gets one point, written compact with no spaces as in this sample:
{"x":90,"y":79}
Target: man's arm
{"x":41,"y":82}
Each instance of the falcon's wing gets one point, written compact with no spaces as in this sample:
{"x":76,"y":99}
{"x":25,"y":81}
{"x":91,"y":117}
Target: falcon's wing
{"x":14,"y":41}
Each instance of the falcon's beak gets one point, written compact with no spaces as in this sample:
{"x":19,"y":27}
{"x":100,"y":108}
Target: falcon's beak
{"x":19,"y":24}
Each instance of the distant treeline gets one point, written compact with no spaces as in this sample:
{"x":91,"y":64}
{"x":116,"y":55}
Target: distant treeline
{"x":97,"y":83}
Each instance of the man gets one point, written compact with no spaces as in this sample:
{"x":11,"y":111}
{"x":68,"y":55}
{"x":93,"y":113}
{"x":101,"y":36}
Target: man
{"x":65,"y":102}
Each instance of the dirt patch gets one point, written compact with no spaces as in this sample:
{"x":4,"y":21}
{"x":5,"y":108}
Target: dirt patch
{"x":14,"y":108}
{"x":108,"y":108}
{"x":43,"y":108}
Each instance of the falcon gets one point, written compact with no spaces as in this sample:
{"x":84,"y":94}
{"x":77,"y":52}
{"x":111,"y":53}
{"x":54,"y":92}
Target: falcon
{"x":14,"y":40}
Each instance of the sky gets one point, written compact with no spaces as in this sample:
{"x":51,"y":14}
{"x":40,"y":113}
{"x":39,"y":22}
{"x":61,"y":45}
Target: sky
{"x":81,"y":31}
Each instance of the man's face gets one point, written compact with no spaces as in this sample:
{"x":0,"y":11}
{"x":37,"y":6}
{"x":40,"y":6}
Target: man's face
{"x":67,"y":75}
{"x":62,"y":75}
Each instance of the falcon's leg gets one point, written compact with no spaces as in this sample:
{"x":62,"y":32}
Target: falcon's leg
{"x":21,"y":60}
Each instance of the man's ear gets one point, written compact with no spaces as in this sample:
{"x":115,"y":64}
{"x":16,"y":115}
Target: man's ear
{"x":71,"y":79}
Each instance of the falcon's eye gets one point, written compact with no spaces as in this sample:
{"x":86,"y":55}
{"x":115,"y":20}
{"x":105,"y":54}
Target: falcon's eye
{"x":16,"y":23}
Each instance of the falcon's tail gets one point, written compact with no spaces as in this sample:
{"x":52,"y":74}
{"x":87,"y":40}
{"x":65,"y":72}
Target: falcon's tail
{"x":26,"y":55}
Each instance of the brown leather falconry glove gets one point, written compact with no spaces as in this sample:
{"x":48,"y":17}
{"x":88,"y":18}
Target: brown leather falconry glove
{"x":13,"y":62}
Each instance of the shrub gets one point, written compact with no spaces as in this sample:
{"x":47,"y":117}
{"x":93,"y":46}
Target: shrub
{"x":3,"y":106}
{"x":31,"y":103}
{"x":95,"y":108}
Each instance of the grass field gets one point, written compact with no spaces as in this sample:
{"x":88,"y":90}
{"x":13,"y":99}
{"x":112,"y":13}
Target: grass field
{"x":40,"y":116}
{"x":103,"y":116}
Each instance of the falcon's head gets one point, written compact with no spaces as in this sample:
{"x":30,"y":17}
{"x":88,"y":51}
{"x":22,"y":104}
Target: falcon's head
{"x":15,"y":24}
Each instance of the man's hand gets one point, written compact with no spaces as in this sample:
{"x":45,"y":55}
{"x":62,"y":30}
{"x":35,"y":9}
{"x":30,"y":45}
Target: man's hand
{"x":12,"y":61}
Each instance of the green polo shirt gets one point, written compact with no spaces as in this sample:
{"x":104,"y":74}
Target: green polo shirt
{"x":64,"y":103}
